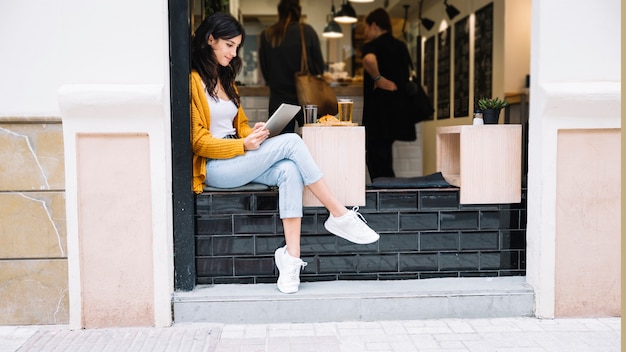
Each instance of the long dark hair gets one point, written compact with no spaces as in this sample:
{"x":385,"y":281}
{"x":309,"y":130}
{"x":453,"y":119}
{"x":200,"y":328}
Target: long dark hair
{"x":203,"y":60}
{"x":288,"y":11}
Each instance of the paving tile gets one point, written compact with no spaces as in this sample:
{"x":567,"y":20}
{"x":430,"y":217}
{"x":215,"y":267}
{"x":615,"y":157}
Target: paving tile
{"x":429,"y":330}
{"x":403,"y":347}
{"x":424,"y":341}
{"x":325,"y":329}
{"x":459,"y":326}
{"x":457,"y":337}
{"x":393,"y":328}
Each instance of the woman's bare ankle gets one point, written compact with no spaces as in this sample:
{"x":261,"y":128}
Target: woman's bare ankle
{"x":294,"y":253}
{"x":338,"y":212}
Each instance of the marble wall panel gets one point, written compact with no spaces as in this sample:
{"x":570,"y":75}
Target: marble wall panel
{"x":33,"y":292}
{"x":32,"y":156}
{"x":33,"y":235}
{"x":33,"y":225}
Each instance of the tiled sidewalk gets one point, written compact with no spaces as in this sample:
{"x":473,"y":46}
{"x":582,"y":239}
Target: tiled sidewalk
{"x":449,"y":335}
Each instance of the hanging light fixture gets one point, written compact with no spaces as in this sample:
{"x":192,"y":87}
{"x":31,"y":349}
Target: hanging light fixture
{"x":451,"y":10}
{"x":406,"y":17}
{"x":346,"y":14}
{"x":427,"y":23}
{"x":332,"y":29}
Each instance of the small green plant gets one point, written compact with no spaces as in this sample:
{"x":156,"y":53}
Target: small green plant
{"x":493,"y":103}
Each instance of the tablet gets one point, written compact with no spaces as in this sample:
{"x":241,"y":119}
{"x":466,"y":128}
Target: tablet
{"x":281,"y":117}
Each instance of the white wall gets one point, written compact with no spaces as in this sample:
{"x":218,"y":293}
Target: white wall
{"x":517,"y":16}
{"x":48,"y":43}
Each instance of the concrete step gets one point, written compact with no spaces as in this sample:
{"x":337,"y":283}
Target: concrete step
{"x":357,"y":301}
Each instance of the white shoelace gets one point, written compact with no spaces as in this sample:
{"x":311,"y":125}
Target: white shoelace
{"x":293,"y":273}
{"x":356,"y":211}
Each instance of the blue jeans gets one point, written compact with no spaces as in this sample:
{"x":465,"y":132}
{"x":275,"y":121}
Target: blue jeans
{"x":282,"y":161}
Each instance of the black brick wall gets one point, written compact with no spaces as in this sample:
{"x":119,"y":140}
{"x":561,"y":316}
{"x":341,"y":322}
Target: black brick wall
{"x":425,"y":233}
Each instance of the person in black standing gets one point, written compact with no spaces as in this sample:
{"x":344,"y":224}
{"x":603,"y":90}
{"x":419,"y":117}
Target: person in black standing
{"x":280,"y":55}
{"x":386,"y":63}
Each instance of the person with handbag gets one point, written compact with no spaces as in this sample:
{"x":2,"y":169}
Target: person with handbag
{"x":280,"y":56}
{"x":386,"y":115}
{"x":228,"y":153}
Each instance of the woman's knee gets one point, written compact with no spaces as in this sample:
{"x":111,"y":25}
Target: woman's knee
{"x":288,"y":168}
{"x":289,"y":172}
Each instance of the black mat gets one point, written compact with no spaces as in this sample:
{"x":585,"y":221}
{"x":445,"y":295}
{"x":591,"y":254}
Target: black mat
{"x":249,"y":187}
{"x":435,"y":180}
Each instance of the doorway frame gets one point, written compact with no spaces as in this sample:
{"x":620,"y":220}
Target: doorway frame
{"x":183,"y":198}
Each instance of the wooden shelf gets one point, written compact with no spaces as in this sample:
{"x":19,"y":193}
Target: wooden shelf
{"x":483,"y":161}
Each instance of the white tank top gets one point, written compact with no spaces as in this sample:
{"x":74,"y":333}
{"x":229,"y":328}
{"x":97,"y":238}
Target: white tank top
{"x":223,"y":113}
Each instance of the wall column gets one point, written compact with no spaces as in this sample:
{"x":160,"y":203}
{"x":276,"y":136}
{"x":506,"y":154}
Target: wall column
{"x":573,"y":92}
{"x":120,"y":257}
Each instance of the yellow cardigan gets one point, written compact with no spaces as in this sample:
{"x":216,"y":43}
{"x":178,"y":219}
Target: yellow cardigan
{"x":203,"y":144}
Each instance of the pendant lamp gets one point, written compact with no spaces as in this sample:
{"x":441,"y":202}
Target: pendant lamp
{"x":426,"y":22}
{"x":332,"y":29}
{"x":346,"y":14}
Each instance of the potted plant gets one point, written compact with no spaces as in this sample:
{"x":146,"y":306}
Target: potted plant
{"x":490,"y":107}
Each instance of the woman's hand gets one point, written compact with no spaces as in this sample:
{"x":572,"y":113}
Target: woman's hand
{"x":259,"y":134}
{"x":385,"y":84}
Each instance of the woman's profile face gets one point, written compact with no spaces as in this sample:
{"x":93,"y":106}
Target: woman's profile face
{"x":369,"y":31}
{"x":225,"y":49}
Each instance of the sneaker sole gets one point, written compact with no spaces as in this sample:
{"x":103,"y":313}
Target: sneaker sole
{"x":338,"y":232}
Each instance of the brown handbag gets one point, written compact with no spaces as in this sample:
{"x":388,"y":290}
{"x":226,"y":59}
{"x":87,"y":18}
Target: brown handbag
{"x":314,"y":89}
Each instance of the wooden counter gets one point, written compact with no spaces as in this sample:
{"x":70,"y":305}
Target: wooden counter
{"x":354,"y":89}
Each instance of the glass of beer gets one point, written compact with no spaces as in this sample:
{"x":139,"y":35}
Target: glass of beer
{"x":345,"y":107}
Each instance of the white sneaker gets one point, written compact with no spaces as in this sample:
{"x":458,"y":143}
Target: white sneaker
{"x":351,"y":226}
{"x":288,"y":270}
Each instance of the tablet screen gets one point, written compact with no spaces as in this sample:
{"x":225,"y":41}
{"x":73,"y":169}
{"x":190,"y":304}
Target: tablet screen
{"x":281,"y":117}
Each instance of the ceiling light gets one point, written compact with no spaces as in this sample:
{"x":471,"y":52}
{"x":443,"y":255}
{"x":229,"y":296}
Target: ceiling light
{"x":346,"y":14}
{"x":332,"y":29}
{"x":451,"y":10}
{"x":361,"y":1}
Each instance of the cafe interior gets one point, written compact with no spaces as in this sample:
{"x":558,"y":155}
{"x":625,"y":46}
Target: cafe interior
{"x":462,"y":50}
